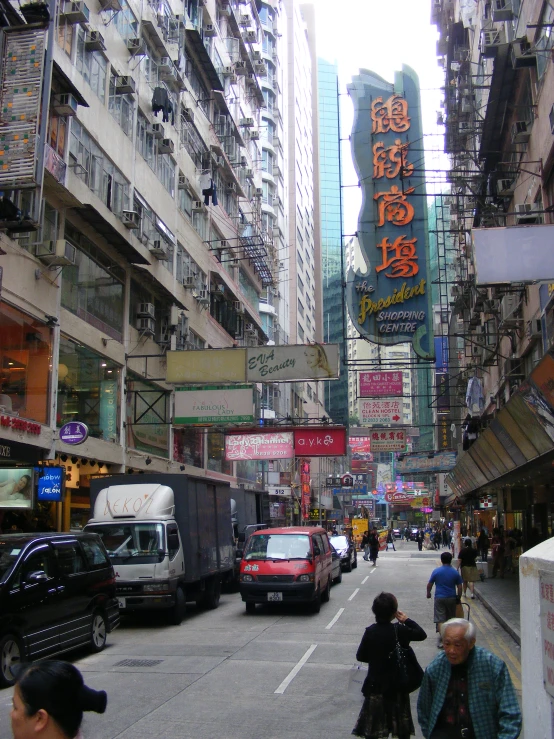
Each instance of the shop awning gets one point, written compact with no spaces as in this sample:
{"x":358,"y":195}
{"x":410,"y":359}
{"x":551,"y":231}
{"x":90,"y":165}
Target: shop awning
{"x":518,"y":442}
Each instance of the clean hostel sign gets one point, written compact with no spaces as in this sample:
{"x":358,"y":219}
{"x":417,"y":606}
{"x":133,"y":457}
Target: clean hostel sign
{"x":389,"y":302}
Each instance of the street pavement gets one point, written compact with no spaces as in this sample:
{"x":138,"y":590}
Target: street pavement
{"x":281,"y":673}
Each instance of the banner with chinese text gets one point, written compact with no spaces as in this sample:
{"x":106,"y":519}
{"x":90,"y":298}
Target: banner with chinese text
{"x":380,"y":412}
{"x":390,"y":303}
{"x":380,"y":384}
{"x":388,"y":440}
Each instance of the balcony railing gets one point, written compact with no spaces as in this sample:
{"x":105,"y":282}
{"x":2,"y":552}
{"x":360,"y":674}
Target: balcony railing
{"x":54,"y":163}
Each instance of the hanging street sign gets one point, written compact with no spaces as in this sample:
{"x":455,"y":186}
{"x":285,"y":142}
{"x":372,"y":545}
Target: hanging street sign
{"x":380,"y":384}
{"x":388,"y":440}
{"x":381,"y":412}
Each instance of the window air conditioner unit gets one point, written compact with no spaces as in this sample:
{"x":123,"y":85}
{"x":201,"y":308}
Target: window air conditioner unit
{"x":247,"y":122}
{"x":163,"y":338}
{"x":241,"y":68}
{"x":158,"y":249}
{"x":188,"y":114}
{"x":230,"y":187}
{"x":522,"y":54}
{"x":250,"y":328}
{"x":254,"y":134}
{"x":198,"y":206}
{"x":75,"y":13}
{"x":136,"y":46}
{"x":258,"y":192}
{"x":260,"y":68}
{"x":64,"y":104}
{"x":201,"y":296}
{"x":521,"y":132}
{"x":505,"y":188}
{"x":165,"y":68}
{"x":166,"y":146}
{"x":184,"y":182}
{"x":124,"y":84}
{"x":114,"y":5}
{"x":490,"y":41}
{"x":228,"y":71}
{"x":157,"y":130}
{"x":58,"y":253}
{"x":250,"y":37}
{"x":257,"y":56}
{"x":245,"y":20}
{"x":147,"y":326}
{"x":526,"y":213}
{"x":251,"y":78}
{"x":249,"y":173}
{"x":130,"y":218}
{"x":238,"y":306}
{"x":146,"y":310}
{"x":94,"y":41}
{"x":233,"y":79}
{"x":210,"y":30}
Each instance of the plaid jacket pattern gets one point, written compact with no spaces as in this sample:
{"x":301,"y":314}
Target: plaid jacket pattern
{"x":493,"y":704}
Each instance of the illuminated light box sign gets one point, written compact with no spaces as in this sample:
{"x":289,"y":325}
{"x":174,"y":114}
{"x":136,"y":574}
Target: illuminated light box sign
{"x":380,"y":412}
{"x":514,"y":254}
{"x":49,"y":483}
{"x":288,"y":363}
{"x":275,"y":445}
{"x":390,"y":303}
{"x":380,"y":384}
{"x":388,"y":440}
{"x":16,"y":487}
{"x":214,"y":404}
{"x":320,"y":442}
{"x":418,"y":463}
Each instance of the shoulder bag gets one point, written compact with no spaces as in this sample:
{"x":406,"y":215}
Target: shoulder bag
{"x":406,"y":674}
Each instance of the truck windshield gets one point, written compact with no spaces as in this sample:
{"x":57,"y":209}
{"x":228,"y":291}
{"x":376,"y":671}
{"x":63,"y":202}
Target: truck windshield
{"x":132,"y":543}
{"x":278,"y":546}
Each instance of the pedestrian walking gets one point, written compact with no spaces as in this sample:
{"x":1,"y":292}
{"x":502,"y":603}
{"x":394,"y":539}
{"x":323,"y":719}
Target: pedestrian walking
{"x":498,"y":549}
{"x":470,"y":574}
{"x":448,"y":591}
{"x":467,"y":691}
{"x":483,"y":545}
{"x":390,"y":539}
{"x":509,"y":549}
{"x":49,"y":700}
{"x":445,"y":536}
{"x":419,"y":538}
{"x":437,"y":538}
{"x":365,"y":545}
{"x":374,"y":547}
{"x":386,"y":710}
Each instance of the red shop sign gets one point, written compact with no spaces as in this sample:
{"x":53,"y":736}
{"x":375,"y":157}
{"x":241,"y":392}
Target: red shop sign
{"x":321,"y":442}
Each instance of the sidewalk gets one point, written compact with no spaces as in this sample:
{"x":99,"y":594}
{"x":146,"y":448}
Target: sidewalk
{"x":501,"y":598}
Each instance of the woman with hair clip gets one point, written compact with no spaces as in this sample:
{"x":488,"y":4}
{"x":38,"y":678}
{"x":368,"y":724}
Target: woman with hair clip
{"x":49,"y":700}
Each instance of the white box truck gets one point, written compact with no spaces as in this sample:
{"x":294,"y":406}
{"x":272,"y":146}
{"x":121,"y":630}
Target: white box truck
{"x":169,"y":538}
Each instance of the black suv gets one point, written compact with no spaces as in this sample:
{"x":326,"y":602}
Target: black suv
{"x":57,"y":592}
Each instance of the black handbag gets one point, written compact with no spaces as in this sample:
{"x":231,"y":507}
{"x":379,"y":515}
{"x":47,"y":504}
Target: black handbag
{"x":405,"y":672}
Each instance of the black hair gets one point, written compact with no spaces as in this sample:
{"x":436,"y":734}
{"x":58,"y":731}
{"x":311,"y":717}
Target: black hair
{"x":467,"y":542}
{"x":384,"y":607}
{"x":446,"y":558}
{"x":58,"y":688}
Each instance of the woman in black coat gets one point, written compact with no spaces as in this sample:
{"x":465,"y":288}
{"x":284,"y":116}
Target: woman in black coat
{"x":385,"y":710}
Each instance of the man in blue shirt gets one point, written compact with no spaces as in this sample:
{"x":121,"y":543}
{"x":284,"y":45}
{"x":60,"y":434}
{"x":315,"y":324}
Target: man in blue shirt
{"x":448,"y":591}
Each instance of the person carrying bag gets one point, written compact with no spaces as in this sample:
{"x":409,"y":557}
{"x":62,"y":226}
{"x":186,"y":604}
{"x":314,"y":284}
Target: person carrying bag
{"x":393,"y":672}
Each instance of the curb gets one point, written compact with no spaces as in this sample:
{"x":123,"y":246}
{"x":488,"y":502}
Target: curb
{"x":512,"y":630}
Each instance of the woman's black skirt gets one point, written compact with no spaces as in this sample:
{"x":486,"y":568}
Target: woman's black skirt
{"x":383,"y":715}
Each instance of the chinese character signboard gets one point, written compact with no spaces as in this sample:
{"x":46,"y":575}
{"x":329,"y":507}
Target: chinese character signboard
{"x":259,"y":446}
{"x":380,"y":384}
{"x":380,"y":412}
{"x":306,"y":488}
{"x":388,"y":440}
{"x":390,"y":302}
{"x":546,"y":595}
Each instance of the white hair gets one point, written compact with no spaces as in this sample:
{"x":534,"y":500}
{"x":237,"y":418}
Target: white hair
{"x":470,"y":631}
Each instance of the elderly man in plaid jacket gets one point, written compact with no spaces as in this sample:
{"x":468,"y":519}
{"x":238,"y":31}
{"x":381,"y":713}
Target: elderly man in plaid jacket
{"x":467,"y":692}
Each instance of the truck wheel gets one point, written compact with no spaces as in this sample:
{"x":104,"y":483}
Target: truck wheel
{"x":98,"y":632}
{"x":250,"y":608}
{"x":212,"y":593}
{"x":177,"y":611}
{"x":316,"y":604}
{"x":326,"y":595}
{"x":10,"y":659}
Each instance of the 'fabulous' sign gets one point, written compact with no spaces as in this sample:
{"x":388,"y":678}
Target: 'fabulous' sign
{"x":390,"y":302}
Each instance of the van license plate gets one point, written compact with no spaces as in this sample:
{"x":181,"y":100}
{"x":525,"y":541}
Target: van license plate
{"x":275,"y":596}
{"x":121,"y":602}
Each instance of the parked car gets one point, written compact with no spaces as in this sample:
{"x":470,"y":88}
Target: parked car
{"x":396,"y":533}
{"x":413,"y":533}
{"x":336,"y":568}
{"x":347,"y":550}
{"x":57,"y":592}
{"x":290,"y":565}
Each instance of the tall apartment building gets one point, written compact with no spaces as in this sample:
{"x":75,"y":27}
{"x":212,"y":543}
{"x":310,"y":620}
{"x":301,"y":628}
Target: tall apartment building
{"x":157,"y":219}
{"x":499,"y":133}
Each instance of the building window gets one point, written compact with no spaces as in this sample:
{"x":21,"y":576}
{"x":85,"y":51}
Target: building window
{"x":300,"y":308}
{"x":267,"y":161}
{"x":25,"y":359}
{"x":65,"y":36}
{"x":93,"y":288}
{"x":92,"y":65}
{"x":185,"y":203}
{"x":88,"y":390}
{"x":216,"y":454}
{"x":300,"y":285}
{"x":300,"y":333}
{"x":121,"y":107}
{"x":193,"y":143}
{"x":162,"y":164}
{"x":188,"y":446}
{"x":125,"y":21}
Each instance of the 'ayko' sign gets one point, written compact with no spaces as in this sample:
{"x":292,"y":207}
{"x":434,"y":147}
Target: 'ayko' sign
{"x":390,"y":302}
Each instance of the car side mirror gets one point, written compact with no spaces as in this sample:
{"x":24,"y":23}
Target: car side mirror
{"x":317,"y":551}
{"x":39,"y":576}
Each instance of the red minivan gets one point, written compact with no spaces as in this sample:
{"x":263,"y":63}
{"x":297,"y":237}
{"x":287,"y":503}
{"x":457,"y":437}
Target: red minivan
{"x":287,"y":565}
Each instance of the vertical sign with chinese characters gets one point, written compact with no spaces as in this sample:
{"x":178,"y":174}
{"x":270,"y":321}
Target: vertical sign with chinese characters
{"x":389,"y":303}
{"x":546,"y":595}
{"x":305,"y":482}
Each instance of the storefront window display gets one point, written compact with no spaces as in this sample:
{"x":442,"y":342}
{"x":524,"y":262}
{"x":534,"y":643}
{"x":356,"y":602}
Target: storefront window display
{"x":216,"y":453}
{"x":188,"y":446}
{"x":25,"y":357}
{"x":148,"y":419}
{"x":88,"y":390}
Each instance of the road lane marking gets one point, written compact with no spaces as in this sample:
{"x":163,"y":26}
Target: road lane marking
{"x":335,"y":619}
{"x":354,"y":594}
{"x":366,"y":578}
{"x":295,"y":670}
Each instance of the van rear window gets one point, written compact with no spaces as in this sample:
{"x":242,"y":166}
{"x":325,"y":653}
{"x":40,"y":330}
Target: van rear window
{"x":278,"y":546}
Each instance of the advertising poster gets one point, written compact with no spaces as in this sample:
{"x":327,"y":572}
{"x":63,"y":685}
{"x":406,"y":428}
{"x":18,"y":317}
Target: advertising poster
{"x":276,"y":445}
{"x":315,"y":442}
{"x":419,"y":463}
{"x":49,"y":483}
{"x":292,"y":363}
{"x":360,"y":454}
{"x":380,"y":412}
{"x":390,"y":303}
{"x":16,"y":487}
{"x":388,"y":440}
{"x":380,"y":384}
{"x":214,"y":404}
